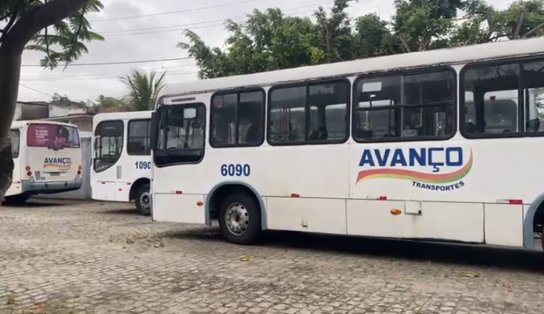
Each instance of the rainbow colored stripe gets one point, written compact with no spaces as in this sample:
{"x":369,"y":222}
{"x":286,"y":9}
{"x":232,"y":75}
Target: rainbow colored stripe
{"x":402,"y":174}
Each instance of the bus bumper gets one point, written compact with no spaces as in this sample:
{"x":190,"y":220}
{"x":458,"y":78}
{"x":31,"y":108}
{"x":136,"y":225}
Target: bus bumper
{"x":50,"y":187}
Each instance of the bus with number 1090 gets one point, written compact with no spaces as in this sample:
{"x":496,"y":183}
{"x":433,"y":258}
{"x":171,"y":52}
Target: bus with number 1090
{"x":121,"y":170}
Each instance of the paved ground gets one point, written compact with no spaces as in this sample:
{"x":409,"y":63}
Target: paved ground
{"x":104,"y":258}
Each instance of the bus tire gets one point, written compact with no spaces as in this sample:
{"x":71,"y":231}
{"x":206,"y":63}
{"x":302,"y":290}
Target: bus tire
{"x":143,"y":199}
{"x":17,"y":199}
{"x":240,"y":218}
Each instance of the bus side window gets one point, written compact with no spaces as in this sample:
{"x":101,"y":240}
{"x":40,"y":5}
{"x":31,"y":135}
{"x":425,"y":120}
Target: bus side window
{"x":139,"y":133}
{"x":497,"y":94}
{"x":533,"y":95}
{"x":237,"y":119}
{"x":409,"y":106}
{"x":328,"y":104}
{"x":313,"y":113}
{"x":108,"y":144}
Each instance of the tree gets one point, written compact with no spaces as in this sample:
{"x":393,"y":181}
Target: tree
{"x":270,"y":40}
{"x":109,"y":104}
{"x":483,"y":23}
{"x":374,"y":38}
{"x":144,"y":89}
{"x":335,"y":35}
{"x":425,"y":24}
{"x":25,"y":25}
{"x":266,"y":41}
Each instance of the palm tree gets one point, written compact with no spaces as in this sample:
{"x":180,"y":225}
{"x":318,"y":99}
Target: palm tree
{"x":144,"y":88}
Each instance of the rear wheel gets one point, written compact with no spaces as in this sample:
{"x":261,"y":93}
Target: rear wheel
{"x":143,"y":199}
{"x":240,"y":218}
{"x":17,"y":199}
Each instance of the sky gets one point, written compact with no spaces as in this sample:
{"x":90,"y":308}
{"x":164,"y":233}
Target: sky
{"x":143,"y":30}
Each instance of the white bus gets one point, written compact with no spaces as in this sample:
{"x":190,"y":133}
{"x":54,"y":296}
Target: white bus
{"x":438,"y":145}
{"x":47,"y":159}
{"x":121,"y":170}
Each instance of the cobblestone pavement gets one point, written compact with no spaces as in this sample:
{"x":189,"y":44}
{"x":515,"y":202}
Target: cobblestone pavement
{"x":104,"y":258}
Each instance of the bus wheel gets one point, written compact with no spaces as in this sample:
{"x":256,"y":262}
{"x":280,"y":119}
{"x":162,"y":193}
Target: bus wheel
{"x":143,"y":199}
{"x":17,"y":199}
{"x":240,"y":218}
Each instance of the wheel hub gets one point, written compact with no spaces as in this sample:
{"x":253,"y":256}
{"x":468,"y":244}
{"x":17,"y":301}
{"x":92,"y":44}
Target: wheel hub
{"x":237,"y":218}
{"x":145,"y":200}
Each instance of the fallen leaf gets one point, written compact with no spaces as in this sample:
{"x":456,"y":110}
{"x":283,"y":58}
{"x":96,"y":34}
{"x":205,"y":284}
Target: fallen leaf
{"x":470,"y":275}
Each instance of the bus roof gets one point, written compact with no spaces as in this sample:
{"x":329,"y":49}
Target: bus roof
{"x":18,"y":124}
{"x":451,"y":56}
{"x":122,"y":115}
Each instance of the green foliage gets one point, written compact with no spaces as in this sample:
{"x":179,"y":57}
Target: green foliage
{"x":270,"y":40}
{"x":267,"y":41}
{"x":63,"y":41}
{"x":110,"y":104}
{"x":144,"y":89}
{"x":373,"y":38}
{"x":66,"y":42}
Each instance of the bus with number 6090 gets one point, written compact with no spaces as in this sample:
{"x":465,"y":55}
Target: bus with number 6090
{"x":121,"y":169}
{"x":441,"y":145}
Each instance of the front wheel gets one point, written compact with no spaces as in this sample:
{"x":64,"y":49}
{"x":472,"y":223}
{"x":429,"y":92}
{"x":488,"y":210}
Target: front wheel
{"x":143,"y":200}
{"x":240,"y":218}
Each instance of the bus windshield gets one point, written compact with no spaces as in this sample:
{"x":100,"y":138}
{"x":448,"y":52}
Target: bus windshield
{"x":52,"y":136}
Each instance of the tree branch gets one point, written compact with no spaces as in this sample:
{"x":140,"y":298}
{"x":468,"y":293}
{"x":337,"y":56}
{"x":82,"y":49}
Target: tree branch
{"x":520,"y":22}
{"x":35,"y":20}
{"x":405,"y":44}
{"x":534,"y":30}
{"x":8,"y":25}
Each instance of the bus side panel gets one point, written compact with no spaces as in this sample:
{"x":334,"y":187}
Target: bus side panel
{"x":312,"y":171}
{"x":179,"y":208}
{"x":433,"y":220}
{"x":430,"y":192}
{"x":450,"y":221}
{"x":504,"y":224}
{"x":103,"y":190}
{"x":374,"y":218}
{"x":311,"y":215}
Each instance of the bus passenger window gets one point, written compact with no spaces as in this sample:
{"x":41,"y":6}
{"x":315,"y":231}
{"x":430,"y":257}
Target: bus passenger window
{"x":533,"y":95}
{"x":491,"y":103}
{"x":15,"y":136}
{"x":315,"y":113}
{"x":251,"y":118}
{"x":287,"y":118}
{"x":237,"y":119}
{"x":139,"y":132}
{"x":108,"y":144}
{"x":405,"y":106}
{"x":328,"y":104}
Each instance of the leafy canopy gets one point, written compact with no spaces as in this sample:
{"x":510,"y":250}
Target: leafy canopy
{"x":63,"y":41}
{"x":270,"y":40}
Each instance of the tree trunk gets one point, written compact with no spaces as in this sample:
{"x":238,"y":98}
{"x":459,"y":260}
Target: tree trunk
{"x":10,"y":67}
{"x":6,"y":166}
{"x":11,"y":49}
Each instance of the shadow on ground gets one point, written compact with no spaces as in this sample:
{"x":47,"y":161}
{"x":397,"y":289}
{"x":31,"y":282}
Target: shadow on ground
{"x":124,"y":211}
{"x":34,"y":204}
{"x":447,"y":253}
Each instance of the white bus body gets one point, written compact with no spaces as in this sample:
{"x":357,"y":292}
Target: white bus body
{"x":121,"y":170}
{"x":47,"y":159}
{"x":437,"y":145}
